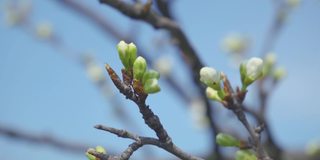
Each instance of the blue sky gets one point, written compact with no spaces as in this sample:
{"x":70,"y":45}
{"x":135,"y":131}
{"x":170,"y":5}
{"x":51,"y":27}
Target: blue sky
{"x":42,"y":91}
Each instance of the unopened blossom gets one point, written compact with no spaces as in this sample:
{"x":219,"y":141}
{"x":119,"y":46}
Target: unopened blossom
{"x":254,"y":68}
{"x":210,"y":77}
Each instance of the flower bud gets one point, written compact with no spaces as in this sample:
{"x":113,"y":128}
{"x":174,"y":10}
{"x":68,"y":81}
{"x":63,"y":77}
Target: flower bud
{"x":163,"y":65}
{"x":245,"y":155}
{"x":127,"y":53}
{"x":122,"y":50}
{"x":250,"y":71}
{"x":150,"y":74}
{"x":90,"y":156}
{"x":132,"y":53}
{"x":269,"y":62}
{"x":293,"y":3}
{"x":313,"y":148}
{"x":254,"y":68}
{"x":279,"y":73}
{"x":139,"y":68}
{"x":17,"y":12}
{"x":151,"y":86}
{"x":210,"y":77}
{"x":100,"y":149}
{"x":227,"y":140}
{"x":44,"y":30}
{"x":235,"y":43}
{"x":213,"y":94}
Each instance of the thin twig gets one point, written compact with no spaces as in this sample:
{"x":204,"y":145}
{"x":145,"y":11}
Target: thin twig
{"x":139,"y":142}
{"x":64,"y":145}
{"x":234,"y":103}
{"x":164,"y":141}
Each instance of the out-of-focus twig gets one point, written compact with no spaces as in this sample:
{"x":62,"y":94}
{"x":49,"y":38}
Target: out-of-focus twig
{"x":46,"y":139}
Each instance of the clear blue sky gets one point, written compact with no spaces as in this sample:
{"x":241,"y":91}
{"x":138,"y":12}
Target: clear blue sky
{"x":42,"y":91}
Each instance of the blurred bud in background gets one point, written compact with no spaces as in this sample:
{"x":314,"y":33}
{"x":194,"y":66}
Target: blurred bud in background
{"x":293,"y":3}
{"x":17,"y":12}
{"x":44,"y":30}
{"x":235,"y":43}
{"x":198,"y":113}
{"x":163,"y":65}
{"x":313,"y":148}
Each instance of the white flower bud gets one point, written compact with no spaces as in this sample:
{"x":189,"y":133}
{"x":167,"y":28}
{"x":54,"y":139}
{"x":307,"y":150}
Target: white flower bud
{"x":254,"y":68}
{"x":210,"y":77}
{"x":213,"y":94}
{"x":250,"y":71}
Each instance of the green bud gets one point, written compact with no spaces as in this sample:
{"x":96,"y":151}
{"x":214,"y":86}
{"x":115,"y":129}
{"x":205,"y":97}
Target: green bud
{"x":279,"y":73}
{"x":90,"y":156}
{"x":151,"y":86}
{"x":132,"y":53}
{"x":127,"y":53}
{"x":100,"y":149}
{"x":245,"y":155}
{"x":213,"y":94}
{"x":150,"y":74}
{"x":122,"y":50}
{"x":227,"y":140}
{"x":139,"y":68}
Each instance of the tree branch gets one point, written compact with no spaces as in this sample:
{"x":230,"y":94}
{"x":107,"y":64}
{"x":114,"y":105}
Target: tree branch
{"x":142,"y":12}
{"x":233,"y":101}
{"x":149,"y":117}
{"x":139,"y":142}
